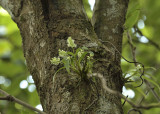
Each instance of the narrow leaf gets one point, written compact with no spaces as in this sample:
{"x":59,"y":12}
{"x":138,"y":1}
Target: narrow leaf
{"x":67,"y":65}
{"x":152,"y":81}
{"x":70,"y":53}
{"x":82,"y":57}
{"x":59,"y":70}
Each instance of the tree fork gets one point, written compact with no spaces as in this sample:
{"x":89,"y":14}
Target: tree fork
{"x":45,"y":26}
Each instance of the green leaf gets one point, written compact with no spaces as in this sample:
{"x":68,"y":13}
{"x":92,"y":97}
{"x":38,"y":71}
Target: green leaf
{"x":133,"y":13}
{"x":72,"y":62}
{"x":82,"y":57}
{"x":77,"y":50}
{"x":140,"y":91}
{"x":84,"y":48}
{"x":152,"y":81}
{"x":58,"y":70}
{"x":152,"y":68}
{"x":132,"y":19}
{"x":89,"y":67}
{"x":66,"y":64}
{"x":75,"y":70}
{"x":70,"y":53}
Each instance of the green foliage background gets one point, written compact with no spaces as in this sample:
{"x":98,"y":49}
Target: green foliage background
{"x":140,"y":13}
{"x":13,"y":67}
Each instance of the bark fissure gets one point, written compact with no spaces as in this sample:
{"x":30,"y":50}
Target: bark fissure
{"x":108,"y":19}
{"x":45,"y":8}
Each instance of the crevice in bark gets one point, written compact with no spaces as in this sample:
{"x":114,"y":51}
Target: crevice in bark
{"x":45,"y":8}
{"x":19,"y":9}
{"x":108,"y":25}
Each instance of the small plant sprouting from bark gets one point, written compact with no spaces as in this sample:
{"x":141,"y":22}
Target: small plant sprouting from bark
{"x":78,"y":61}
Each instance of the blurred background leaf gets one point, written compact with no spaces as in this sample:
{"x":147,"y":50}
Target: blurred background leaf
{"x":13,"y":71}
{"x":144,"y":29}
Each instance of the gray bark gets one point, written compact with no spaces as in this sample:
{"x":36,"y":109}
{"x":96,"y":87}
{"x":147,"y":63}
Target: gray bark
{"x":45,"y":26}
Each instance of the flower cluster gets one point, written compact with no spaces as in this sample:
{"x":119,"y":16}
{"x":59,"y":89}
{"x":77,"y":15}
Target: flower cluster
{"x":81,"y":51}
{"x":63,"y":54}
{"x":55,"y":61}
{"x":79,"y":61}
{"x":71,"y":43}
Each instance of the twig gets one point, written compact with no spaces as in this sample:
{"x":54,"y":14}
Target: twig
{"x":104,"y":85}
{"x":134,"y":59}
{"x":152,"y":90}
{"x":133,"y":109}
{"x":3,"y":98}
{"x":12,"y":98}
{"x":140,"y":101}
{"x":150,"y":41}
{"x":125,"y":100}
{"x":133,"y":48}
{"x":135,"y":62}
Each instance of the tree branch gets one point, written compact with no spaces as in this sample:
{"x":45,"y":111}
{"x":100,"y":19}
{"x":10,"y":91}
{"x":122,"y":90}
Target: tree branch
{"x":104,"y":85}
{"x":108,"y":22}
{"x":134,"y":110}
{"x":150,"y":41}
{"x":135,"y":62}
{"x":152,"y":90}
{"x":12,"y":98}
{"x":13,"y":7}
{"x":133,"y":48}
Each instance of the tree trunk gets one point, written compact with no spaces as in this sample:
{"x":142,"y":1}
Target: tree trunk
{"x":45,"y":26}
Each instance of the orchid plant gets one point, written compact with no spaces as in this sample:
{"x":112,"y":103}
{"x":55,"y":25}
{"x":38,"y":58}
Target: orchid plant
{"x":78,"y":61}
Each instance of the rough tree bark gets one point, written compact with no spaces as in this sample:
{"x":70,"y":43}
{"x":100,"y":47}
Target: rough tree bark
{"x":45,"y":26}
